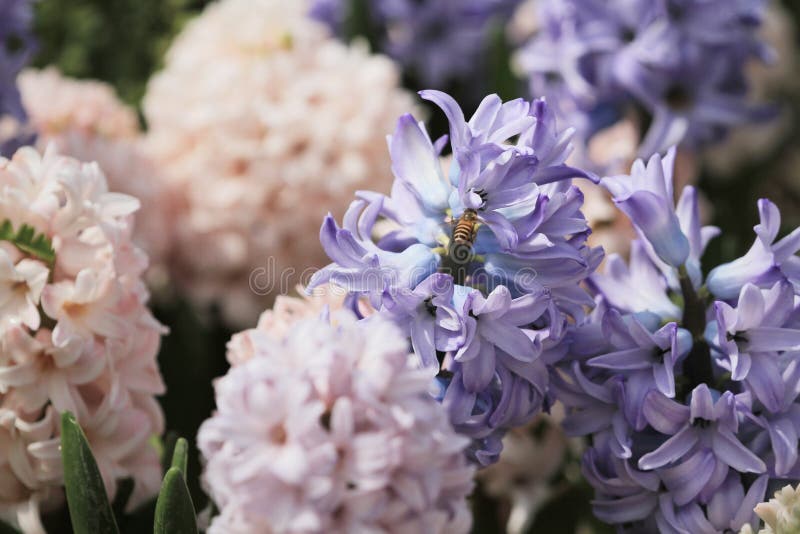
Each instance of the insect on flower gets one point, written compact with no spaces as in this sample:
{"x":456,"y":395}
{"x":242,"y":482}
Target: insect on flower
{"x":465,"y":228}
{"x":461,"y":253}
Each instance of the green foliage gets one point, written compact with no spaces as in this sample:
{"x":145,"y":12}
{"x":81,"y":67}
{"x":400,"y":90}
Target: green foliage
{"x":119,"y":41}
{"x":89,"y":509}
{"x":501,"y":79}
{"x":174,"y":510}
{"x":28,"y":241}
{"x":358,"y":22}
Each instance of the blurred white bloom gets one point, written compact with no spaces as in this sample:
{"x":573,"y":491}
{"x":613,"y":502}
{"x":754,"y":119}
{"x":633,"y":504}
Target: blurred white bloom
{"x":333,"y":426}
{"x":781,"y":515}
{"x":262,"y":123}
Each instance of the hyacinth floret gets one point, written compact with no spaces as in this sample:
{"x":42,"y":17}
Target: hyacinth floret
{"x":687,"y":385}
{"x":679,"y":65}
{"x":481,"y":265}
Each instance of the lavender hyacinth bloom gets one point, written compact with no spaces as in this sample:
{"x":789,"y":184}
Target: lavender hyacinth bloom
{"x":679,"y":64}
{"x":16,"y":48}
{"x":688,"y":386}
{"x":479,"y":266}
{"x":766,"y":262}
{"x":646,"y":198}
{"x":437,"y":41}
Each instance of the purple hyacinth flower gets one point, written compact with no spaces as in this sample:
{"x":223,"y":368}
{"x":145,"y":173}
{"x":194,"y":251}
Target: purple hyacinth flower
{"x":637,"y":350}
{"x":624,"y":493}
{"x":492,"y":125}
{"x":594,"y":409}
{"x":646,"y":197}
{"x":485,"y":290}
{"x":704,"y":427}
{"x":494,"y":337}
{"x":755,"y":327}
{"x":782,"y":425}
{"x":494,"y":176}
{"x":427,"y":313}
{"x":635,"y":286}
{"x":361,"y":267}
{"x":416,"y":166}
{"x":765,"y":263}
{"x":728,"y":510}
{"x":681,"y":62}
{"x":688,"y":212}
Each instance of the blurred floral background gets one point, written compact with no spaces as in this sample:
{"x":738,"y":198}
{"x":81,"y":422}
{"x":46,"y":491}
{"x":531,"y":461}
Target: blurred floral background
{"x":237,"y":153}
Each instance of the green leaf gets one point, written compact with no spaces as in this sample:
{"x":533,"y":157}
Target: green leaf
{"x":89,"y":509}
{"x":180,"y":456}
{"x":174,"y":509}
{"x":28,"y":241}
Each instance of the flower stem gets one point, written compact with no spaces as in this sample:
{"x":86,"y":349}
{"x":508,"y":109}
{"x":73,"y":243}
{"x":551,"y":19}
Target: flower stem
{"x":697,"y":365}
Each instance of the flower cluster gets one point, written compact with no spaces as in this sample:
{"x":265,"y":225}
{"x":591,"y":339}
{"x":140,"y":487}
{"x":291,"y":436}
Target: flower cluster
{"x":687,"y":385}
{"x":330,"y":428}
{"x":437,"y":41}
{"x":781,"y":514}
{"x":16,"y":47}
{"x":86,"y":120}
{"x":679,"y":63}
{"x":75,"y":332}
{"x":253,"y":170}
{"x":481,"y":268}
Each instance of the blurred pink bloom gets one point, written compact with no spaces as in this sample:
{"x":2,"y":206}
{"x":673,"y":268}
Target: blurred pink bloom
{"x":87,"y":121}
{"x":334,"y":427}
{"x":262,"y":123}
{"x":277,"y":321}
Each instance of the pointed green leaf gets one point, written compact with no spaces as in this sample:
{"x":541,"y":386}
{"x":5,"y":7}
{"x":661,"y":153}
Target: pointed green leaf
{"x":180,"y":456}
{"x":174,"y":509}
{"x":89,"y":509}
